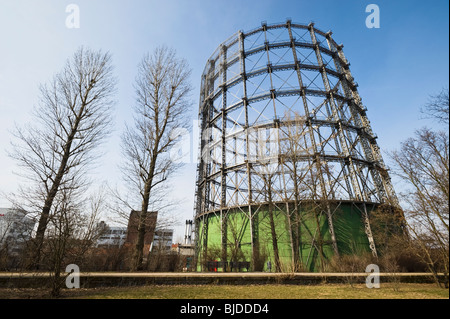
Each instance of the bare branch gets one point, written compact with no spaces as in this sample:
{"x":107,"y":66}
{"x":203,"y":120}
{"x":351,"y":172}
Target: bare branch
{"x":437,"y":107}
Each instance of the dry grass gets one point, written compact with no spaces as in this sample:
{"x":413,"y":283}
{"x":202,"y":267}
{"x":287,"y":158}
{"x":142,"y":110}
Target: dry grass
{"x":325,"y":291}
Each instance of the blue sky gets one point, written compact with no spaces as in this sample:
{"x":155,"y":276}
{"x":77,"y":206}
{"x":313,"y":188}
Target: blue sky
{"x":396,"y":66}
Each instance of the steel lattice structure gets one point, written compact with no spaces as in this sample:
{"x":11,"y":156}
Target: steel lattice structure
{"x":282,"y":123}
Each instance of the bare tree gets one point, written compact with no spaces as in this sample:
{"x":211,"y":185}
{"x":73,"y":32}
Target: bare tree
{"x":71,"y":120}
{"x":423,"y":164}
{"x":304,"y":187}
{"x":268,"y":179}
{"x":73,"y":229}
{"x":437,"y":107}
{"x":162,"y":88}
{"x":292,"y":148}
{"x":234,"y":238}
{"x":268,"y":169}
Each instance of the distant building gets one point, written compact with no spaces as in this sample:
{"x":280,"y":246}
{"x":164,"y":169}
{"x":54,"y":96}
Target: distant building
{"x":132,"y":229}
{"x":185,"y":250}
{"x":188,"y":233}
{"x":15,"y":229}
{"x":111,"y":236}
{"x":163,"y":239}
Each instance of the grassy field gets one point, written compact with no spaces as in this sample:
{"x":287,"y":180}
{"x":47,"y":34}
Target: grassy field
{"x":326,"y":291}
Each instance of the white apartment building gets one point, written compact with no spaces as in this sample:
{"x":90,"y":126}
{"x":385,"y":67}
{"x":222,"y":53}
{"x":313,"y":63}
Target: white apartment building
{"x":15,"y":229}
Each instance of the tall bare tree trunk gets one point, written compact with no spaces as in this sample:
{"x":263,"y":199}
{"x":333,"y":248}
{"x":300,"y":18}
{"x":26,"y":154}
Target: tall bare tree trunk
{"x":72,"y":119}
{"x":162,"y":104}
{"x":139,"y":247}
{"x":276,"y":255}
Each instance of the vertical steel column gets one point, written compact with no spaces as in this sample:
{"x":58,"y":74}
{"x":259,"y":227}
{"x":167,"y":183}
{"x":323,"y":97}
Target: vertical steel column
{"x":368,"y":231}
{"x":243,"y":74}
{"x":308,"y":122}
{"x":269,"y":70}
{"x":322,"y":182}
{"x":223,"y":184}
